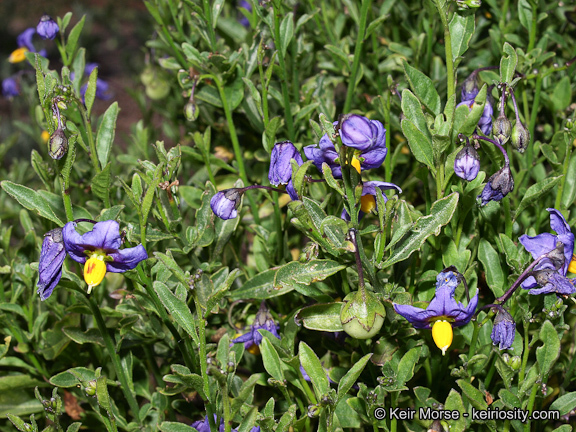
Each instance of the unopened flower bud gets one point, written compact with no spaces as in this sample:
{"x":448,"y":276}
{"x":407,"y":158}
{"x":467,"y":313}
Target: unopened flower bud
{"x":225,"y":203}
{"x":499,"y":185}
{"x":470,"y":87}
{"x":58,"y":144}
{"x":504,"y":329}
{"x":501,"y":128}
{"x":313,"y":411}
{"x":47,"y":27}
{"x":362,"y":314}
{"x":90,"y":388}
{"x":467,"y":163}
{"x":515,"y":363}
{"x":191,"y":111}
{"x":520,"y":137}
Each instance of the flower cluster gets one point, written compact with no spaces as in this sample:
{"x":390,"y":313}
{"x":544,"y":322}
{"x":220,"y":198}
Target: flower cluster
{"x":99,"y":251}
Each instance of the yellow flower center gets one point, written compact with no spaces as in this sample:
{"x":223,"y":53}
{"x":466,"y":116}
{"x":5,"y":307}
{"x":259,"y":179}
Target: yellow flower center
{"x":356,"y":164}
{"x":45,"y":136}
{"x":572,"y":266}
{"x":18,"y":55}
{"x":94,"y":271}
{"x":367,"y":203}
{"x":442,"y":334}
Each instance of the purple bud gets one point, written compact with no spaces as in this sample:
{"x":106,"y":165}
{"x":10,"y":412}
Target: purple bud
{"x":470,"y":88}
{"x":467,"y":163}
{"x":520,"y":137}
{"x":361,"y":133}
{"x":225,"y":203}
{"x":280,"y":167}
{"x":499,"y":185}
{"x":503,"y":330}
{"x":10,"y":87}
{"x":47,"y":27}
{"x":51,"y":260}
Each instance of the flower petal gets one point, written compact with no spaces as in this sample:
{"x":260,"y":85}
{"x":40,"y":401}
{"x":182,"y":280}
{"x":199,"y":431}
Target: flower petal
{"x":538,"y":245}
{"x":105,"y":235}
{"x":73,"y":243}
{"x":557,"y":222}
{"x":416,"y":316}
{"x":126,"y":259}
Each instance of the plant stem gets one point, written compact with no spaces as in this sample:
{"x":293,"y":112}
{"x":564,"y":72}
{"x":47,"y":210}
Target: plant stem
{"x":522,"y":372}
{"x":472,"y":349}
{"x":530,"y":406}
{"x":124,"y":383}
{"x":565,"y":166}
{"x":235,"y":143}
{"x":284,"y":78}
{"x":450,"y":73}
{"x":357,"y":54}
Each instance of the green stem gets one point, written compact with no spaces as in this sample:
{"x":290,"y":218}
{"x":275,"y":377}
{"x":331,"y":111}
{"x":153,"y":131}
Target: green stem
{"x":236,"y":144}
{"x":532,"y":40}
{"x":472,"y":349}
{"x":357,"y":54}
{"x":279,"y":229}
{"x":440,"y":178}
{"x":202,"y":348}
{"x":284,"y":78}
{"x":124,"y":383}
{"x":524,"y":354}
{"x":535,"y":106}
{"x":388,"y":123}
{"x":394,"y":404}
{"x":530,"y":406}
{"x":450,"y":76}
{"x":507,"y":217}
{"x":90,"y":136}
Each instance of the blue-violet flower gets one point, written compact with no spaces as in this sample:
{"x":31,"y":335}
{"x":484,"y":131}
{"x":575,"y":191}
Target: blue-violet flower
{"x":262,"y":321}
{"x":504,"y":329}
{"x":51,"y":260}
{"x":47,"y":27}
{"x":443,"y":313}
{"x":368,"y":200}
{"x":280,"y":171}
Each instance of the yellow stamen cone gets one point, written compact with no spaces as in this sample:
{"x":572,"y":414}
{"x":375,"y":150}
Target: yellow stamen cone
{"x":572,"y":266}
{"x":45,"y":136}
{"x":442,"y":334}
{"x":367,"y":203}
{"x":94,"y":272}
{"x":356,"y":164}
{"x":18,"y":55}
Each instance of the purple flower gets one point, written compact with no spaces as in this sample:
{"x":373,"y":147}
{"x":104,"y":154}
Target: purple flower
{"x":368,"y":201}
{"x":503,"y":330}
{"x":367,"y":136}
{"x":280,"y":168}
{"x":204,"y":425}
{"x":443,"y":313}
{"x":485,"y":122}
{"x":24,"y":39}
{"x":307,"y":377}
{"x":47,"y":27}
{"x":263,"y":320}
{"x":99,"y":251}
{"x":470,"y":88}
{"x":10,"y":87}
{"x":51,"y":260}
{"x":280,"y":171}
{"x":549,"y":276}
{"x":467,"y":163}
{"x":499,"y":185}
{"x":361,"y":133}
{"x":225,"y":203}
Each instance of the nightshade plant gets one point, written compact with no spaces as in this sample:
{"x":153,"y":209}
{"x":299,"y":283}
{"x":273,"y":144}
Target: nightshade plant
{"x":299,"y":206}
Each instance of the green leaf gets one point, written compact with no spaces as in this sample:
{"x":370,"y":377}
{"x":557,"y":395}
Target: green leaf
{"x":475,"y":396}
{"x":406,"y":366}
{"x":509,"y":399}
{"x":461,"y":31}
{"x":454,"y":403}
{"x":40,"y":82}
{"x":508,"y":63}
{"x":466,"y":119}
{"x":412,"y":109}
{"x":72,"y":377}
{"x":286,"y":420}
{"x":564,"y":403}
{"x":102,"y":393}
{"x":286,"y":32}
{"x":177,"y":308}
{"x":420,"y":144}
{"x":535,"y":193}
{"x":491,"y":262}
{"x":525,"y":14}
{"x":548,"y":353}
{"x":352,"y":375}
{"x":424,"y":88}
{"x":321,"y":317}
{"x":101,"y":183}
{"x":106,"y":131}
{"x":176,"y":427}
{"x":91,"y":91}
{"x":31,"y":200}
{"x":562,"y":94}
{"x":440,"y":214}
{"x":260,"y":287}
{"x":306,"y":273}
{"x":271,"y":360}
{"x":72,"y":42}
{"x":170,"y":264}
{"x":311,"y":364}
{"x":569,"y":192}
